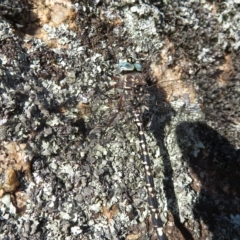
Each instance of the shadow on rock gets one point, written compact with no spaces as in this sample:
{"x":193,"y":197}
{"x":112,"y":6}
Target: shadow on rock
{"x":215,"y":168}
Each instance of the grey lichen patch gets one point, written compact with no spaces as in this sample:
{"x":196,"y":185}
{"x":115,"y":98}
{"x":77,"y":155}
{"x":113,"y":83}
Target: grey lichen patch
{"x":7,"y":205}
{"x":57,"y":36}
{"x":6,"y":30}
{"x":229,"y":20}
{"x":143,"y":28}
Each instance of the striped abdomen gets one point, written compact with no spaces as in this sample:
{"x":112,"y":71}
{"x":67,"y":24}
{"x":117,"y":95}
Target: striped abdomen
{"x":152,"y":200}
{"x":132,"y":86}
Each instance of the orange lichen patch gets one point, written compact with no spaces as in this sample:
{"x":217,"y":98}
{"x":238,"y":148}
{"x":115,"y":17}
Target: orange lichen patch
{"x":133,"y":236}
{"x":12,"y":160}
{"x":226,"y":71}
{"x":110,"y":212}
{"x":60,"y":13}
{"x":19,"y":201}
{"x":62,"y":109}
{"x":169,"y":79}
{"x":214,"y":8}
{"x":54,"y":13}
{"x":117,"y":22}
{"x":211,"y":6}
{"x":171,"y":230}
{"x":1,"y":191}
{"x":10,"y":181}
{"x":12,"y":156}
{"x":27,"y":45}
{"x":84,"y":109}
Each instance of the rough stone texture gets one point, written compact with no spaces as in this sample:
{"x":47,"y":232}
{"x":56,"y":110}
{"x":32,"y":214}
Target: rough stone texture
{"x":58,"y":100}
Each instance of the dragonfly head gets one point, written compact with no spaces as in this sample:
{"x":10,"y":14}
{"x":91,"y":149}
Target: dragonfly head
{"x":129,"y":66}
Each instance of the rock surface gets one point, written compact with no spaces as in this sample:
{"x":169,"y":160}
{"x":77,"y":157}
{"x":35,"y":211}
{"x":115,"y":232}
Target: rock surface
{"x":77,"y":169}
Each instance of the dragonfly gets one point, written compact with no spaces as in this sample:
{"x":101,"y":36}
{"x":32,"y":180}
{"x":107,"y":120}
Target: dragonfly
{"x":133,"y":86}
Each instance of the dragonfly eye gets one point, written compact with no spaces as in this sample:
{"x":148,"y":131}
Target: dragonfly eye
{"x":125,"y":66}
{"x":138,"y":67}
{"x":131,"y":60}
